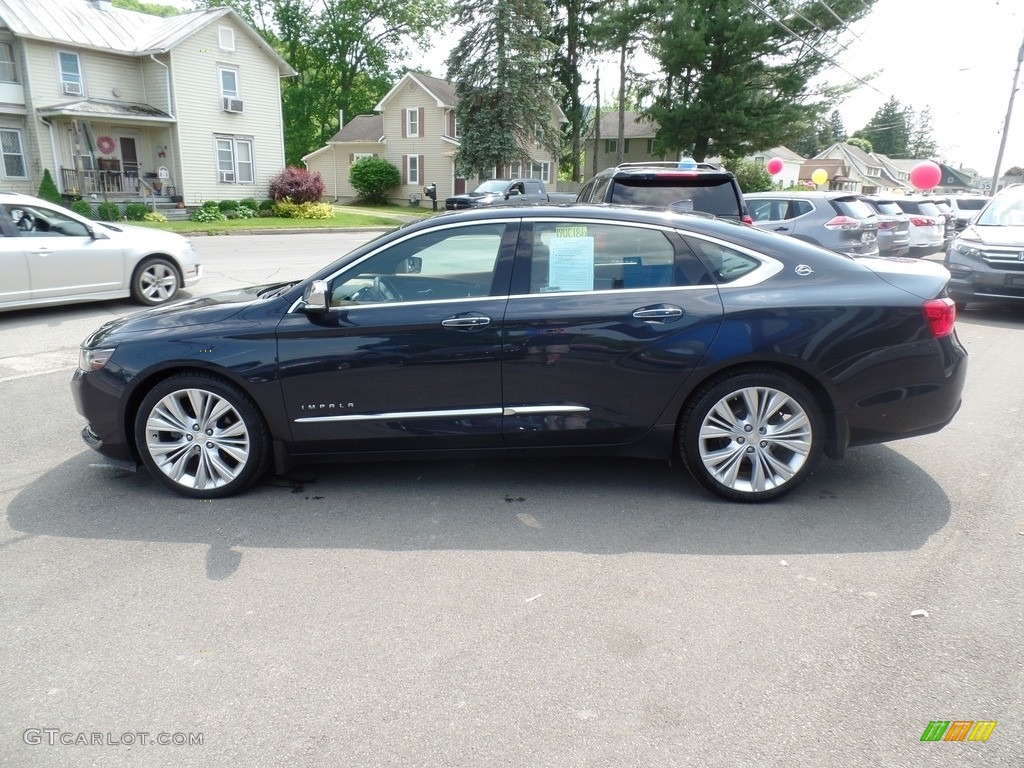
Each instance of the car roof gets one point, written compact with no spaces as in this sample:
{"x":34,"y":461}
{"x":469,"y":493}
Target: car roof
{"x":810,"y":194}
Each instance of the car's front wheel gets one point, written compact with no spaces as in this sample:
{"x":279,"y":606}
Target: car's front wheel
{"x":752,"y":436}
{"x":155,"y":281}
{"x":201,"y":436}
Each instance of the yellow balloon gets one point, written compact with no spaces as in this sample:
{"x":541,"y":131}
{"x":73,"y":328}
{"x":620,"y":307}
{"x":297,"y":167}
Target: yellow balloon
{"x":820,"y":176}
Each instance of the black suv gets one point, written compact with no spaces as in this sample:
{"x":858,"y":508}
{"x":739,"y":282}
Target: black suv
{"x":682,"y":186}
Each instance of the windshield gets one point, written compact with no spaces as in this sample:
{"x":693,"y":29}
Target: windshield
{"x":1005,"y":210}
{"x":494,"y":185}
{"x":715,"y":196}
{"x":971,"y":203}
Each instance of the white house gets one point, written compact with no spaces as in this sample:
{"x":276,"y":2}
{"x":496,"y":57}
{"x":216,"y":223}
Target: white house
{"x":130,"y":105}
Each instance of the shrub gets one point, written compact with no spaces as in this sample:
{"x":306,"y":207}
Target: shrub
{"x":250,"y":202}
{"x":266,"y":205}
{"x":48,"y":190}
{"x":246,"y":212}
{"x":82,"y":208}
{"x":751,"y":176}
{"x":135,"y":211}
{"x":286,"y":209}
{"x":297,"y":185}
{"x":372,"y":177}
{"x":108,"y":212}
{"x":211,"y":204}
{"x":154,"y":216}
{"x":206,"y":214}
{"x":228,"y":205}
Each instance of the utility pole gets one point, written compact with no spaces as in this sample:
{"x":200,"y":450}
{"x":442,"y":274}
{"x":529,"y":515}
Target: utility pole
{"x":1006,"y":123}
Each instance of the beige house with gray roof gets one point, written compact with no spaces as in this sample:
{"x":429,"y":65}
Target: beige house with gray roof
{"x":127,"y":105}
{"x":416,"y":130}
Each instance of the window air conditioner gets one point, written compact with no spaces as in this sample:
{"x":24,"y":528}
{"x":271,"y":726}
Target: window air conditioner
{"x":232,"y":105}
{"x":227,"y":176}
{"x":73,"y":89}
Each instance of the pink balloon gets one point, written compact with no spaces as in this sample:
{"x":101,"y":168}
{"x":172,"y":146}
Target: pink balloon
{"x":774,"y":166}
{"x":925,"y":175}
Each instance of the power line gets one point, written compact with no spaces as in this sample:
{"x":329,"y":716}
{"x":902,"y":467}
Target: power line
{"x":836,"y":16}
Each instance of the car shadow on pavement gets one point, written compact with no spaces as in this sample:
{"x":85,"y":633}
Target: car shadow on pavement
{"x":995,"y":315}
{"x":874,"y":500}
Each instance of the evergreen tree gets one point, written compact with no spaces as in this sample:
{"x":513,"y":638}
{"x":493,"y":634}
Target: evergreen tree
{"x":834,"y":128}
{"x":736,"y":75}
{"x":503,"y":73}
{"x":571,"y":33}
{"x":48,"y":190}
{"x":921,"y":145}
{"x":888,"y":130}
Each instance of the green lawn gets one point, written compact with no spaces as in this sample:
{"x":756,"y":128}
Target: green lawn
{"x":344,"y":217}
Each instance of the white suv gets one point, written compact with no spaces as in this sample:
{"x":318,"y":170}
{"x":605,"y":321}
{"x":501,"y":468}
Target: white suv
{"x":50,"y":255}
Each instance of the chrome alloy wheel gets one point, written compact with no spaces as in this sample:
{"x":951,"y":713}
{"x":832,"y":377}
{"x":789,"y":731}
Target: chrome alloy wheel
{"x":755,"y":439}
{"x":197,"y":438}
{"x":158,"y":282}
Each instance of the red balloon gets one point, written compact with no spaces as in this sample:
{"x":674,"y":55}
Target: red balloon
{"x":925,"y":175}
{"x":774,"y":166}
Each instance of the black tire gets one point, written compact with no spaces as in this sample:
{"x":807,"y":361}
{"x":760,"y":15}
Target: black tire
{"x":717,"y":424}
{"x":155,"y":281}
{"x":222,"y":446}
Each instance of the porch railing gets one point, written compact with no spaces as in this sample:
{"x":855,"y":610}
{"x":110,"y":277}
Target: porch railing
{"x":90,"y":182}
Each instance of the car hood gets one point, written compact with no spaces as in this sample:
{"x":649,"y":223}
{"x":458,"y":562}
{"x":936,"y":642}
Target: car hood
{"x":214,"y":308}
{"x":995,"y":235}
{"x":120,"y":231}
{"x":921,"y":277}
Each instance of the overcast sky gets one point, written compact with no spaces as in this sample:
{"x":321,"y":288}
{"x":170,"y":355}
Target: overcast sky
{"x":956,"y":57}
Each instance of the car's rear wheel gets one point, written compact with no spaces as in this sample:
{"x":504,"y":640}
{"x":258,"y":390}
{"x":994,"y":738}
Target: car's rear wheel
{"x":751,"y":437}
{"x":201,"y":436}
{"x":155,"y":281}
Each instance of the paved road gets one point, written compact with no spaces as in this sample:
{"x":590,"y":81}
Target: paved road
{"x":529,"y":613}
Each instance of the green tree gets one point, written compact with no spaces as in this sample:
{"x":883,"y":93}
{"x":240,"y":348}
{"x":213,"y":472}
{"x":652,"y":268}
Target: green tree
{"x":48,"y":190}
{"x":373,"y":178}
{"x":752,"y":177}
{"x":503,"y":73}
{"x":571,"y":33}
{"x":888,"y":130}
{"x":861,"y":143}
{"x":921,"y":145}
{"x":154,"y":9}
{"x":736,"y":75}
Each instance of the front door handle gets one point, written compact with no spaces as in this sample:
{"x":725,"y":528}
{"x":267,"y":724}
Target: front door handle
{"x":471,"y":321}
{"x":663,"y":314}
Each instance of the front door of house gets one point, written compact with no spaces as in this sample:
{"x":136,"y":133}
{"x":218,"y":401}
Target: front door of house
{"x":129,"y":156}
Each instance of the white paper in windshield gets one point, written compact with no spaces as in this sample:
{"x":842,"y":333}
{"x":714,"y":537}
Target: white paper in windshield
{"x":571,"y":264}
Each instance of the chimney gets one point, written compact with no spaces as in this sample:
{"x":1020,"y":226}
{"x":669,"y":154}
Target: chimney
{"x":101,"y":5}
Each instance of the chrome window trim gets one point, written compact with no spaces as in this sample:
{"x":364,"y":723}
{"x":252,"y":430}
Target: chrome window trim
{"x":769,"y":268}
{"x":456,"y":413}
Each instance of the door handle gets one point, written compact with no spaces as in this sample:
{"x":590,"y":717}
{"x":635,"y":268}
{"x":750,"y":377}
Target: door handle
{"x":665,"y":314}
{"x":466,"y":322}
{"x":781,"y":229}
{"x":42,"y":251}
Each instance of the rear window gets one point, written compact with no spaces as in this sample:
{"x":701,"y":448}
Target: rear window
{"x":854,"y":208}
{"x":921,"y":208}
{"x":713,"y":196}
{"x":971,"y":204}
{"x":887,"y":207}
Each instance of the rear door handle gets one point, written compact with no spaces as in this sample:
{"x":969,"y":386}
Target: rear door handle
{"x":468,"y":322}
{"x":663,"y":314}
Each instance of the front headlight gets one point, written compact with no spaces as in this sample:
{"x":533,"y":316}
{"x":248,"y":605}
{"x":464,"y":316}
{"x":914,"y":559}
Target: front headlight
{"x":94,"y":359}
{"x":962,"y":247}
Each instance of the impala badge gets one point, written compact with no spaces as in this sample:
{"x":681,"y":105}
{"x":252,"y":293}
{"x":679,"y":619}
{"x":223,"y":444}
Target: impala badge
{"x":803,"y":270}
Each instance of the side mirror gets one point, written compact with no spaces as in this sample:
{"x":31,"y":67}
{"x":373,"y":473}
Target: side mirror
{"x":315,"y":298}
{"x":412,"y":265}
{"x":98,"y":234}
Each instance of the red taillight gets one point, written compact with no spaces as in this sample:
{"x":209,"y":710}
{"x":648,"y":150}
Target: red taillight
{"x":941,"y":315}
{"x":843,"y":222}
{"x":746,"y":219}
{"x":919,"y":221}
{"x":887,"y":224}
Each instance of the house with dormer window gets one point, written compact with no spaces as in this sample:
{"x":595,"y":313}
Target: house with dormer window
{"x":127,"y":106}
{"x":416,"y":129}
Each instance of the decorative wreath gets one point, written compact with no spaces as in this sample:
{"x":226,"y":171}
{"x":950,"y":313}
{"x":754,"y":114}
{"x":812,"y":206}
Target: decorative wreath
{"x":105,"y":144}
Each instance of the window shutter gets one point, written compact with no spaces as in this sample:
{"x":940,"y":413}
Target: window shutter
{"x":451,"y":123}
{"x":419,"y":166}
{"x":422,"y":125}
{"x":405,"y":123}
{"x":405,"y":169}
{"x":351,"y":157}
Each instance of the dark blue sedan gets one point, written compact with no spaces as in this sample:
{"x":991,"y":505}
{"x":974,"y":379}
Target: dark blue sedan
{"x":548,"y":330}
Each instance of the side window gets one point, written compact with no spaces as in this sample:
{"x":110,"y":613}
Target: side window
{"x":601,"y":189}
{"x":601,"y":257}
{"x":449,"y":264}
{"x":586,"y":195}
{"x":35,"y":221}
{"x":533,"y":188}
{"x":724,"y":263}
{"x":799,"y":208}
{"x":760,"y":210}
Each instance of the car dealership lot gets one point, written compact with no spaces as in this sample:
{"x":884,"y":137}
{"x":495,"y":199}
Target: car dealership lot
{"x":567,"y":612}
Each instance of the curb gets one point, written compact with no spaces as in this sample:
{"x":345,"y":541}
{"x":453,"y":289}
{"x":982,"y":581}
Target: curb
{"x":293,"y":231}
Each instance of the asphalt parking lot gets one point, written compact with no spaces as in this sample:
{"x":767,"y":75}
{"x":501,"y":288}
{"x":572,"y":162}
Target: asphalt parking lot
{"x":477,"y":613}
